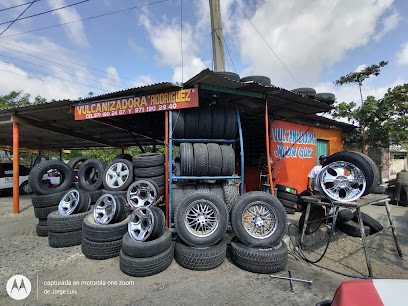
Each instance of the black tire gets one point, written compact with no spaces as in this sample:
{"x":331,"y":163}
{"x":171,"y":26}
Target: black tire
{"x":62,"y":240}
{"x":42,"y":221}
{"x":200,"y":259}
{"x":376,"y":171}
{"x":186,"y":159}
{"x":306,"y":91}
{"x":181,"y":214}
{"x":344,"y":215}
{"x":379,"y":190}
{"x":260,"y":79}
{"x":361,"y":161}
{"x":231,"y":123}
{"x":290,"y":211}
{"x":72,"y":163}
{"x":47,"y":200}
{"x":265,"y":261}
{"x":374,"y":225}
{"x":288,"y":204}
{"x":61,"y":224}
{"x":149,"y":172}
{"x":84,"y":202}
{"x":114,"y":193}
{"x":43,"y":212}
{"x":90,"y":175}
{"x":159,"y":223}
{"x":191,"y":123}
{"x":203,"y":187}
{"x":178,"y":124}
{"x":272,"y":205}
{"x":326,"y":97}
{"x":231,"y":194}
{"x":218,"y":122}
{"x":214,"y":159}
{"x":36,"y":182}
{"x":229,"y":75}
{"x":123,"y":156}
{"x":217,"y":189}
{"x":159,"y":180}
{"x":204,"y":122}
{"x":149,"y":248}
{"x":352,"y":228}
{"x":288,"y":196}
{"x":176,"y":197}
{"x":109,"y":178}
{"x":147,"y":160}
{"x":200,"y":159}
{"x":228,"y":160}
{"x":94,"y":195}
{"x":161,"y":191}
{"x":103,"y":233}
{"x":141,"y":267}
{"x":285,"y":188}
{"x":316,"y":215}
{"x":100,"y":250}
{"x":41,"y":230}
{"x":24,"y":188}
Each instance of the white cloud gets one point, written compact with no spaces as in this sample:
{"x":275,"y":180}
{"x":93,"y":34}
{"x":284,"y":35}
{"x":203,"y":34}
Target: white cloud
{"x":75,"y":31}
{"x":139,"y":50}
{"x":143,"y":80}
{"x":389,"y":23}
{"x":360,"y":67}
{"x":112,"y":80}
{"x":402,"y":55}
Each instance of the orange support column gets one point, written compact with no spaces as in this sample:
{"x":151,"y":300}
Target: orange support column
{"x":16,"y":174}
{"x":166,"y":171}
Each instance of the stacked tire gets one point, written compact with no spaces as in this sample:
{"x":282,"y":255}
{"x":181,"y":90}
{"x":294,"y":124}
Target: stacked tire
{"x":259,"y":221}
{"x":350,"y":226}
{"x":150,"y":167}
{"x":150,"y":256}
{"x":288,"y":196}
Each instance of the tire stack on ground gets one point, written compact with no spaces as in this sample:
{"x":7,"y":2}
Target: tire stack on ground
{"x":288,"y":196}
{"x":350,"y":226}
{"x":150,"y":167}
{"x":46,"y":198}
{"x":259,"y":221}
{"x":65,"y":225}
{"x":145,"y":257}
{"x":103,"y":230}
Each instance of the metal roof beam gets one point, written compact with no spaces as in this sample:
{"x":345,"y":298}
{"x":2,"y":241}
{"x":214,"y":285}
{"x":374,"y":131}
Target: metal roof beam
{"x":60,"y":130}
{"x":232,"y":91}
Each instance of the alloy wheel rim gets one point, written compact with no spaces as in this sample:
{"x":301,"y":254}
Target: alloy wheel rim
{"x":141,"y":194}
{"x":141,"y":224}
{"x":259,"y":220}
{"x":202,"y":218}
{"x":117,"y":175}
{"x":68,"y":202}
{"x":105,"y":209}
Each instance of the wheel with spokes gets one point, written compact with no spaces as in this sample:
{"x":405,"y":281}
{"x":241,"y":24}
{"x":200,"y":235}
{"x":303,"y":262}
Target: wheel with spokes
{"x":109,"y":209}
{"x":118,"y":175}
{"x":73,"y":202}
{"x":342,"y":181}
{"x":258,"y":219}
{"x":201,"y":219}
{"x":141,"y":224}
{"x":142,"y":193}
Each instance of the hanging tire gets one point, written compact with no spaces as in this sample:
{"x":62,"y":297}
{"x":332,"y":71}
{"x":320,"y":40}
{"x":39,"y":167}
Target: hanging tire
{"x":47,"y":200}
{"x":228,"y":160}
{"x":149,"y":172}
{"x":100,"y":250}
{"x":103,"y":232}
{"x":147,"y":266}
{"x":148,"y":160}
{"x":352,"y":228}
{"x":35,"y":179}
{"x":41,"y":230}
{"x":200,"y":159}
{"x":260,"y":79}
{"x":118,"y":175}
{"x":61,"y":224}
{"x":231,"y":123}
{"x":374,"y":225}
{"x":197,"y":209}
{"x":316,"y":215}
{"x":204,"y":123}
{"x":229,"y":75}
{"x":123,"y":156}
{"x":218,"y":122}
{"x":191,"y":123}
{"x":214,"y":159}
{"x":200,"y":259}
{"x":178,"y":124}
{"x":149,"y":248}
{"x":265,"y":261}
{"x":231,"y":194}
{"x":186,"y":159}
{"x":43,"y":212}
{"x":90,"y":175}
{"x":62,"y":240}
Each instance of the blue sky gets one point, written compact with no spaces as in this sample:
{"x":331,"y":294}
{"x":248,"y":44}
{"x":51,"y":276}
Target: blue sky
{"x":318,"y":41}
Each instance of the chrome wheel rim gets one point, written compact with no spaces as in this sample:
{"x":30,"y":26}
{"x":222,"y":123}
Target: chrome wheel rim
{"x":68,"y":202}
{"x":259,"y":220}
{"x":117,"y":175}
{"x":342,"y":181}
{"x":141,"y":194}
{"x":105,"y":209}
{"x":201,"y":218}
{"x":141,"y":224}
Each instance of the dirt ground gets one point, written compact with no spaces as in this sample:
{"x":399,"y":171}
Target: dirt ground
{"x":102,"y":282}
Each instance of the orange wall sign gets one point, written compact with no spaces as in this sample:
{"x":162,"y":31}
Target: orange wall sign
{"x":184,"y":98}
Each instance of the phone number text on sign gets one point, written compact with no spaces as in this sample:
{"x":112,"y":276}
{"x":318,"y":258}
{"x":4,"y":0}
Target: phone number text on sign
{"x":184,"y":98}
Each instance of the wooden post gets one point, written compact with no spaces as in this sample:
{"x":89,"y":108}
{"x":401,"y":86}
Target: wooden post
{"x":16,"y":170}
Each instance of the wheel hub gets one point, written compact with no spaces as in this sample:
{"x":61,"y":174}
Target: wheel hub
{"x":68,"y":203}
{"x":141,"y":194}
{"x":259,"y":220}
{"x":105,"y":209}
{"x":201,"y":218}
{"x":141,"y":224}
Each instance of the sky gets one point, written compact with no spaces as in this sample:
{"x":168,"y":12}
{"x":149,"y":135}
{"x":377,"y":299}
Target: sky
{"x":120,"y":44}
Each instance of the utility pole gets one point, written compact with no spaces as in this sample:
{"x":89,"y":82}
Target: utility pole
{"x":217,"y":37}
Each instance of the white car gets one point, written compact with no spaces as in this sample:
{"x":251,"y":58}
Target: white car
{"x":6,"y":178}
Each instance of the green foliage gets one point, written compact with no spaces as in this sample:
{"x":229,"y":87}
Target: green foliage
{"x":359,"y":77}
{"x":19,"y":99}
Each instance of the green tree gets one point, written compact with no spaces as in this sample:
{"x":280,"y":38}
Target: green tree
{"x":19,"y":99}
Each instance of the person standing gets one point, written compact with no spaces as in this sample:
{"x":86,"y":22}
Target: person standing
{"x":402,"y":183}
{"x":312,"y":176}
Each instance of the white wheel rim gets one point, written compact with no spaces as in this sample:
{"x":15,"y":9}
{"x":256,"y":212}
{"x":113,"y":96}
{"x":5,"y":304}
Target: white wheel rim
{"x":105,"y":209}
{"x":141,"y":224}
{"x":117,"y":175}
{"x":141,"y":194}
{"x":68,"y":202}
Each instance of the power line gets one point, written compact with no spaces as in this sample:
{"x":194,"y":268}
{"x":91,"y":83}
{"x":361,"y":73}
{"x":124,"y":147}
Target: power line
{"x":18,"y":17}
{"x":11,"y":7}
{"x":88,"y":18}
{"x":46,"y":12}
{"x":267,"y":43}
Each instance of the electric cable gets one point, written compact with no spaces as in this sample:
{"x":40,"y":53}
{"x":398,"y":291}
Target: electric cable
{"x":46,"y":12}
{"x":11,"y":7}
{"x":229,"y":54}
{"x":17,"y":17}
